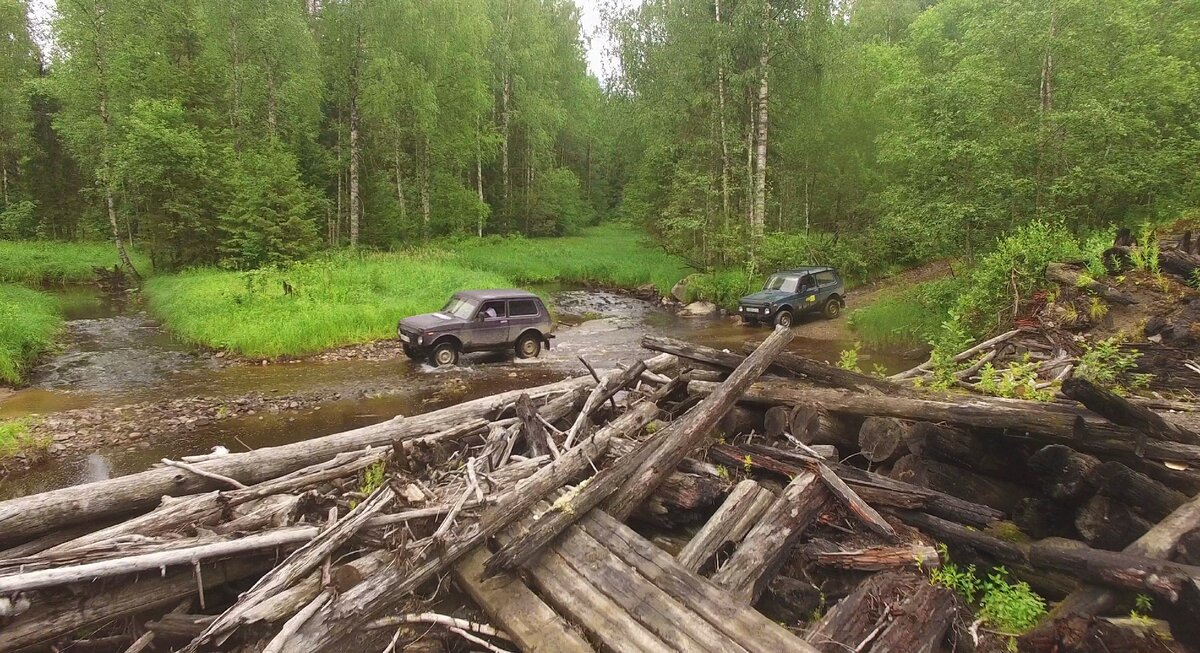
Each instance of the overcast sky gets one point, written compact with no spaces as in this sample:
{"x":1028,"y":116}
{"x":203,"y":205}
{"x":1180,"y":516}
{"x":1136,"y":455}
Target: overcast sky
{"x":593,"y":31}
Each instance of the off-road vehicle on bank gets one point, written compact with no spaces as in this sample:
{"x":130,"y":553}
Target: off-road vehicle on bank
{"x":791,"y":293}
{"x":478,"y":320}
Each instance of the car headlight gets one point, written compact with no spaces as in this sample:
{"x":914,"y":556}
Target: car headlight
{"x":418,"y":340}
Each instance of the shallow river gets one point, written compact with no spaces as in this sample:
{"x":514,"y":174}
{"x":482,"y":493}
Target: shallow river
{"x":115,"y":355}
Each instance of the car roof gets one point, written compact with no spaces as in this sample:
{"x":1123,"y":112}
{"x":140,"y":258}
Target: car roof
{"x":502,"y":293}
{"x":808,"y":269}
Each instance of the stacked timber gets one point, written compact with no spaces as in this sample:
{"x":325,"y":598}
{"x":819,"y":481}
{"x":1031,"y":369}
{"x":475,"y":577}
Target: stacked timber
{"x":781,"y":491}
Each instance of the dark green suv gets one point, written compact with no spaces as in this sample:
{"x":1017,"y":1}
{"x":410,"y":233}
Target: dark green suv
{"x":790,"y":293}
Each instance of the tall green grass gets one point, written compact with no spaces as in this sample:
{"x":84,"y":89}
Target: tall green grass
{"x":335,"y":300}
{"x":34,"y":262}
{"x":908,"y":317}
{"x":29,"y":320}
{"x":15,"y":438}
{"x":613,"y":255}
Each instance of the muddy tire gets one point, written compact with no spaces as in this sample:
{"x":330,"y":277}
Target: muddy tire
{"x":784,"y":318}
{"x":412,"y":352}
{"x":832,"y":308}
{"x":444,"y":354}
{"x":529,"y":346}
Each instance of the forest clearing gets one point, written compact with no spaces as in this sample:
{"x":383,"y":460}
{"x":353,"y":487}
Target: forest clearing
{"x":813,"y":325}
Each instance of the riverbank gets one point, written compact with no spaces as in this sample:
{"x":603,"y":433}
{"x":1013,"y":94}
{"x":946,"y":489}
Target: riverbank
{"x":29,"y":322}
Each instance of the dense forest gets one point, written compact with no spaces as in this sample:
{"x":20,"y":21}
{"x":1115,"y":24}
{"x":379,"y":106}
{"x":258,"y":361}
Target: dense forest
{"x":866,"y":132}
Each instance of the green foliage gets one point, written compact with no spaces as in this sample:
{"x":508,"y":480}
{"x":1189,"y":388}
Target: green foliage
{"x":1104,"y":363}
{"x":1011,"y":608}
{"x":723,"y":287}
{"x":29,"y":322}
{"x":270,"y":220}
{"x":1019,"y":380}
{"x":1145,"y":255}
{"x":1143,"y":606}
{"x":37,"y":262}
{"x":337,"y":300}
{"x":849,"y":358}
{"x":781,"y":251}
{"x":612,"y":255}
{"x":371,"y":479}
{"x":909,"y":317}
{"x":15,"y":437}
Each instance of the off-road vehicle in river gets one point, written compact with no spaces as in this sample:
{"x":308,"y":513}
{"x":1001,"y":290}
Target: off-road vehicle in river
{"x":478,"y":320}
{"x":790,"y":293}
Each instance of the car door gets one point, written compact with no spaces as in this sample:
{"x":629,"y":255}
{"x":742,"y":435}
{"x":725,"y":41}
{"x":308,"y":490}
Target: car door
{"x":522,"y":314}
{"x":826,"y":286}
{"x":489,"y":329}
{"x":808,"y":293}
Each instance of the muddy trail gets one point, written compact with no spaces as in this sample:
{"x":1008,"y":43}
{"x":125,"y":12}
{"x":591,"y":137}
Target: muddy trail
{"x":123,"y":393}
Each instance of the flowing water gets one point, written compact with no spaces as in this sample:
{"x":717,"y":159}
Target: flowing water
{"x":116,"y":355}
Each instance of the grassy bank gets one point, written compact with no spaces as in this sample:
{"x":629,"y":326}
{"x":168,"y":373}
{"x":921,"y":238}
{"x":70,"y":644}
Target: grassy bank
{"x":35,"y":262}
{"x":29,"y":321}
{"x":336,"y":300}
{"x":612,"y":255}
{"x":16,"y":438}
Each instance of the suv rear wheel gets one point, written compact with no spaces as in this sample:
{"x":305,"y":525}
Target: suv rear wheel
{"x":443,"y":354}
{"x":832,"y":308}
{"x":784,"y":318}
{"x":529,"y":346}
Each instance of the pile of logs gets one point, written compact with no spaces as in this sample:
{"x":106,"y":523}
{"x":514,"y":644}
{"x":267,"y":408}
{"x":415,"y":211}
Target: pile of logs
{"x":771,"y":482}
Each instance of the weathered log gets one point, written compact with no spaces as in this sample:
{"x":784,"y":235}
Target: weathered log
{"x":1043,"y":421}
{"x":1083,"y":634}
{"x":718,"y":530}
{"x":25,"y":517}
{"x":854,"y":503}
{"x":148,"y":592}
{"x":295,"y":567}
{"x":511,"y":605}
{"x":1123,"y":412}
{"x":1187,"y":550}
{"x":958,"y":358}
{"x":611,"y":383}
{"x":741,"y":623}
{"x":1041,"y":517}
{"x":681,"y":499}
{"x":881,"y":439}
{"x":1142,"y":493}
{"x":777,"y":421}
{"x":536,"y":437}
{"x":1000,"y":459}
{"x":878,"y":490}
{"x":693,"y":429}
{"x":1106,"y":523}
{"x":872,"y":558}
{"x":766,"y":546}
{"x":814,"y":425}
{"x":392,"y":583}
{"x":1066,"y":475}
{"x":959,"y":482}
{"x":890,"y":611}
{"x":738,"y":421}
{"x":1072,"y":277}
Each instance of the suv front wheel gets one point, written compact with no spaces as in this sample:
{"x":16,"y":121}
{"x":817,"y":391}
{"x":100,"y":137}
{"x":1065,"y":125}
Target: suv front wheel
{"x":832,"y":308}
{"x":784,"y":318}
{"x":529,"y":346}
{"x":443,"y":354}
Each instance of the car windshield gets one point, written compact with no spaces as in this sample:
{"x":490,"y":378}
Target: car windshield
{"x":784,"y":282}
{"x":460,"y":308}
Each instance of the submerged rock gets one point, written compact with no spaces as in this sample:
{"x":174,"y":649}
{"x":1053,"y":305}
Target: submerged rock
{"x":696,"y":309}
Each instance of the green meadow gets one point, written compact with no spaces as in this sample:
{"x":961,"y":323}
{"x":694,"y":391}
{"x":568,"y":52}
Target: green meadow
{"x":39,"y":262}
{"x":29,"y":322}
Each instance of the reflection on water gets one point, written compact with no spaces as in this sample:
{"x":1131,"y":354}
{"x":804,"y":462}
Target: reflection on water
{"x":116,"y":355}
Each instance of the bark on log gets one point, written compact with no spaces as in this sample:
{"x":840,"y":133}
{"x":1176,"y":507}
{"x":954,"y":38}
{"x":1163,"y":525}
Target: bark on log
{"x":611,"y":383}
{"x":738,"y":421}
{"x":959,"y":482}
{"x":1144,"y":494}
{"x":743,"y":624}
{"x":1065,"y":474}
{"x":1070,"y":276}
{"x":881,"y":439}
{"x":814,"y":425}
{"x":1109,"y":524}
{"x":533,"y":626}
{"x":890,"y":611}
{"x":1041,"y":421}
{"x":536,"y":437}
{"x":742,"y":500}
{"x":1003,"y":460}
{"x":777,"y":421}
{"x":767,"y":545}
{"x":1083,"y":634}
{"x":1040,"y":518}
{"x":1125,"y":413}
{"x":873,"y":558}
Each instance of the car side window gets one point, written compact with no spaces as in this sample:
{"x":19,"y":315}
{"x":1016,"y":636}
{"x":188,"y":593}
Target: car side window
{"x":806,"y":282}
{"x":826,"y":278}
{"x":522,"y":308}
{"x":491,"y":310}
